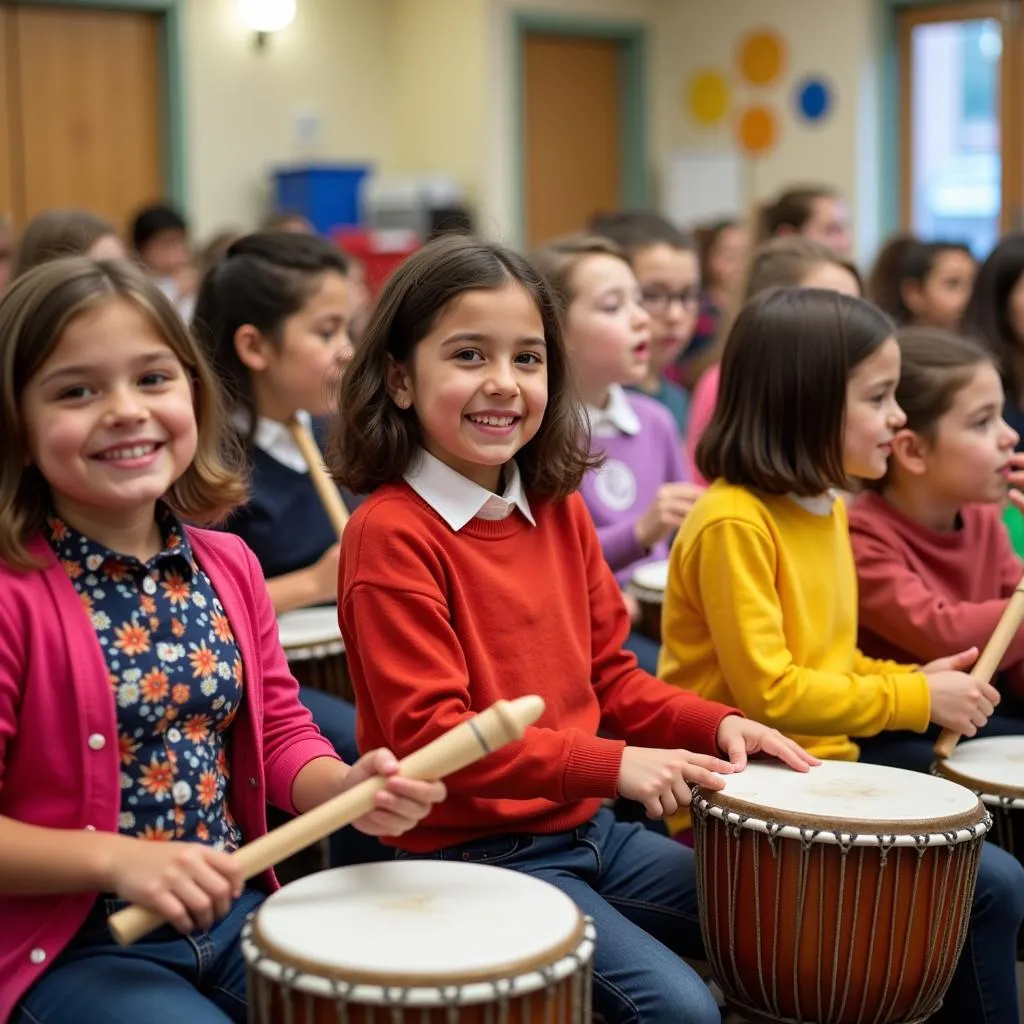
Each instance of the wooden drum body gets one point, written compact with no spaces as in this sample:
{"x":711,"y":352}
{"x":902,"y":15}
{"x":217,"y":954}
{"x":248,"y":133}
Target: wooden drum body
{"x":423,"y":942}
{"x":994,"y":769}
{"x":648,"y":587}
{"x":839,"y":896}
{"x":312,"y":643}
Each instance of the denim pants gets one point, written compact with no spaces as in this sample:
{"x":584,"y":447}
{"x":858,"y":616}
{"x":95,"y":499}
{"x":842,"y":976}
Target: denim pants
{"x":166,"y":978}
{"x":336,"y":719}
{"x":984,"y":988}
{"x":641,"y":890}
{"x":645,"y":649}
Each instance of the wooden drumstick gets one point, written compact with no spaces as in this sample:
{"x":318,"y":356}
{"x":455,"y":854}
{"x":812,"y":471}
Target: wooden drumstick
{"x":987,"y":665}
{"x":325,"y":487}
{"x":503,"y":722}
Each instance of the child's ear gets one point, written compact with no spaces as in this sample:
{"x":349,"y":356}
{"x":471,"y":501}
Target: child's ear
{"x":399,"y":384}
{"x":252,"y":348}
{"x":910,"y":452}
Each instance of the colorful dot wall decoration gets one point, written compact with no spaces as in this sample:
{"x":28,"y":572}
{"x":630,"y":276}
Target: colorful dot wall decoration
{"x":813,"y":99}
{"x":708,"y":98}
{"x":757,"y":130}
{"x":761,"y":57}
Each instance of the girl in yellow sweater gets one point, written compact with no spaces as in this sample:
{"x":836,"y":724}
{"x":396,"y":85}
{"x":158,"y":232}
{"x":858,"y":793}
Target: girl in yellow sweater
{"x":761,"y":606}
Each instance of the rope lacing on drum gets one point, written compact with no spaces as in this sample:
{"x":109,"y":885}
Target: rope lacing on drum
{"x":808,"y":836}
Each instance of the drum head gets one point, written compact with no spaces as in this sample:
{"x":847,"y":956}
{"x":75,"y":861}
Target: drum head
{"x":993,"y":767}
{"x":652,"y":576}
{"x":847,"y":796}
{"x":309,"y":627}
{"x":418,"y":923}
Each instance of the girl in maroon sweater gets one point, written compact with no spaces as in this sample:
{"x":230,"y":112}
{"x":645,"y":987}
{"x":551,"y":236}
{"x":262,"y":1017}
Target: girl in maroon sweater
{"x":934,"y":564}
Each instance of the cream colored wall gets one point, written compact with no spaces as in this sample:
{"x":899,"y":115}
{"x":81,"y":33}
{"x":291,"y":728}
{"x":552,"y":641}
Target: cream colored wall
{"x":427,"y":86}
{"x":835,"y":39}
{"x":438,"y":71}
{"x":242,"y":105}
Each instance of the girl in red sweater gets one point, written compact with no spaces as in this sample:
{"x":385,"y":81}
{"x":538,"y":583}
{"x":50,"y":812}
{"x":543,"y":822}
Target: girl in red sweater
{"x":934,"y":564}
{"x":473,"y":572}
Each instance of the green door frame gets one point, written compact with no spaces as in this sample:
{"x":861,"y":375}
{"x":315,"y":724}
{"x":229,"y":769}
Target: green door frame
{"x":632,"y":36}
{"x":171,"y":13}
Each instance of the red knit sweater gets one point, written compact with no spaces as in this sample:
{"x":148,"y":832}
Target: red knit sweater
{"x":925,"y":594}
{"x":439,"y":624}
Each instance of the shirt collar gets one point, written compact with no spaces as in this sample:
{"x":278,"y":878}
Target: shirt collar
{"x":457,"y":499}
{"x":275,"y":439}
{"x":617,"y":417}
{"x":819,"y":505}
{"x":71,"y":546}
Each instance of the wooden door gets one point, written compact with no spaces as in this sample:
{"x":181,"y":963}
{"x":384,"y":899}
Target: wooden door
{"x":88,"y":128}
{"x":572,"y":132}
{"x":7,"y":184}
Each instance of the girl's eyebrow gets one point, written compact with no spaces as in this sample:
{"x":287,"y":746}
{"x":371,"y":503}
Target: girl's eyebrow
{"x":84,"y":368}
{"x":463,"y":336}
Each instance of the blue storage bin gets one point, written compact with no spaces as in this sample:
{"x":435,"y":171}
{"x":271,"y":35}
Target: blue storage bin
{"x":328,"y":195}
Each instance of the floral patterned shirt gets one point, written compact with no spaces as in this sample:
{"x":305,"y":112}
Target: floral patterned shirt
{"x":175,"y":675}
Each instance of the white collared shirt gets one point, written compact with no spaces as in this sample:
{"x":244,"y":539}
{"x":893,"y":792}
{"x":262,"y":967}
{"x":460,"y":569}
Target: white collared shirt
{"x":457,"y":499}
{"x":274,"y":438}
{"x":819,"y":505}
{"x":617,"y":417}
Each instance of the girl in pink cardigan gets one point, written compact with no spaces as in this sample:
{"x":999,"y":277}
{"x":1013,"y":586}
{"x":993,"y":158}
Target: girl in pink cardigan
{"x":143,"y":691}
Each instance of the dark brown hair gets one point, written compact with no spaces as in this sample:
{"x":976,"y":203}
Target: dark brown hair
{"x":905,"y":258}
{"x":636,"y":230}
{"x":792,"y":209}
{"x":34,"y":313}
{"x":559,"y":260}
{"x":778,"y":423}
{"x":261,"y":280}
{"x":988,"y":313}
{"x":56,"y":233}
{"x":373,"y":441}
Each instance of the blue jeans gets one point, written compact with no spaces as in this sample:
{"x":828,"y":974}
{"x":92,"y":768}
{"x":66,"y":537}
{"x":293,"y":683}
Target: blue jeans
{"x":336,"y":719}
{"x":645,"y":649}
{"x":165,"y":979}
{"x":641,"y":891}
{"x":984,"y":987}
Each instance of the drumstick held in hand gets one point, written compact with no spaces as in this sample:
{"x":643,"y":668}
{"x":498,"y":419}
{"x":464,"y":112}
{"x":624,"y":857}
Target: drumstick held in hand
{"x":503,"y":722}
{"x":325,"y":487}
{"x":988,"y":664}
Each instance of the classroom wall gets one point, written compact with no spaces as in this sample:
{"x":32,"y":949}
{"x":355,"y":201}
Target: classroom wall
{"x":837,"y":40}
{"x":418,"y":86}
{"x":319,"y":89}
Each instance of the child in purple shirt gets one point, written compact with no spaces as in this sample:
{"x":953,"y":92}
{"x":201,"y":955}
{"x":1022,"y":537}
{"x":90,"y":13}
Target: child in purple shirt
{"x":640,"y":495}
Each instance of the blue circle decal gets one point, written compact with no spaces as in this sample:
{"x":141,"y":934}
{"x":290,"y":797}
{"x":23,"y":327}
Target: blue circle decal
{"x":814,"y":99}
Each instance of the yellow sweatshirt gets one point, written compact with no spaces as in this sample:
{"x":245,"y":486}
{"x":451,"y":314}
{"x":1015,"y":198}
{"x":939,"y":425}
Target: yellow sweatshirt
{"x":761,"y":612}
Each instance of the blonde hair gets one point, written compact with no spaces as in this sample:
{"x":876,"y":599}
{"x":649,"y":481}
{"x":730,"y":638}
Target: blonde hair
{"x":34,"y":313}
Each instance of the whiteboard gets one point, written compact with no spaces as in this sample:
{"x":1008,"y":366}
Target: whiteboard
{"x":701,"y":186}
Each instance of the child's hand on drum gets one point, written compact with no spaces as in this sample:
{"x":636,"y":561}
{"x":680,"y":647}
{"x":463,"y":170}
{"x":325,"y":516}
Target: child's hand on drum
{"x":661,"y":779}
{"x":959,"y":702}
{"x":401,"y":805}
{"x":740,"y":737}
{"x":666,"y":514}
{"x":191,"y":885}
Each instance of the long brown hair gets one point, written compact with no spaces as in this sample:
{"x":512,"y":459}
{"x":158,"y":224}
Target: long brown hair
{"x":373,"y":441}
{"x":34,"y":313}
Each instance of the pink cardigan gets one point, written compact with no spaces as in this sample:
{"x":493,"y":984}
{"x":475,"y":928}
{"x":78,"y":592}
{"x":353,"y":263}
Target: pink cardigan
{"x":58,"y":730}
